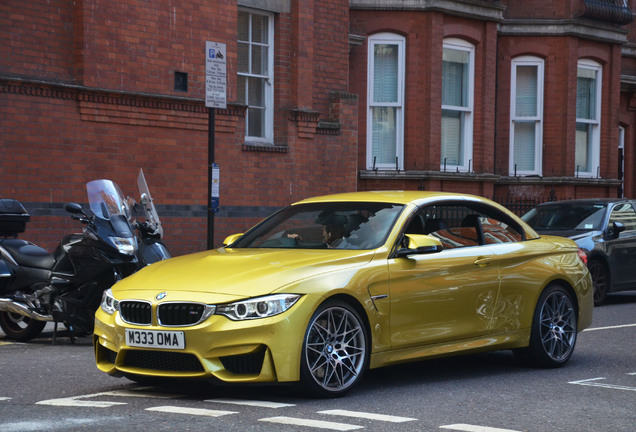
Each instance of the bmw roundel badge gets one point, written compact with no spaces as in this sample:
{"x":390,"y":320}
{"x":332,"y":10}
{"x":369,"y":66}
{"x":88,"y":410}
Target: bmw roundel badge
{"x":161,"y":296}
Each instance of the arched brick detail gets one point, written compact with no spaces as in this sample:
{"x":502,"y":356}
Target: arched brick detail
{"x":601,"y":55}
{"x":469,"y":33}
{"x":530,"y":48}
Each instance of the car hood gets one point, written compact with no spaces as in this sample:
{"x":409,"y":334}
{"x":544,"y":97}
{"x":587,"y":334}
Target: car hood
{"x":231,"y":274}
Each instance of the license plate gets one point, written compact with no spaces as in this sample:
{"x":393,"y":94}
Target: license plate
{"x":155,"y":339}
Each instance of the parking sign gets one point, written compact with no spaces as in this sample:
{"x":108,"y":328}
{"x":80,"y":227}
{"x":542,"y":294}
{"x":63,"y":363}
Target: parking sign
{"x":215,"y":75}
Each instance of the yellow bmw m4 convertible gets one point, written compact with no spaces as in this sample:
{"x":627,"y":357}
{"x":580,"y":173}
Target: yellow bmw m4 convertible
{"x":331,"y":286}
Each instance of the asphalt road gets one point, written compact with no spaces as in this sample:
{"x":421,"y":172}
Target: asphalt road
{"x":46,"y":387}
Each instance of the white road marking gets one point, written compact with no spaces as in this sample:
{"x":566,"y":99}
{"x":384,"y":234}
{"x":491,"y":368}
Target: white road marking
{"x":47,"y":425}
{"x":3,"y":398}
{"x":318,"y":424}
{"x":591,"y":382}
{"x":79,"y":401}
{"x":474,"y":428}
{"x":254,"y":403}
{"x":368,"y":416}
{"x":610,"y":327}
{"x":190,"y":411}
{"x":140,"y":393}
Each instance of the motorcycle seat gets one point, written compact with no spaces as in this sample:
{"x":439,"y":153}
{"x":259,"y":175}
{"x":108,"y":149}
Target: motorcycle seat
{"x":28,"y":254}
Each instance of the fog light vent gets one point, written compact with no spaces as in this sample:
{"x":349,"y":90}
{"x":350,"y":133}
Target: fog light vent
{"x":246,"y":364}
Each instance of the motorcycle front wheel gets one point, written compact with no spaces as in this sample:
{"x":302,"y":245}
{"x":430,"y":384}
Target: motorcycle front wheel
{"x":19,"y":327}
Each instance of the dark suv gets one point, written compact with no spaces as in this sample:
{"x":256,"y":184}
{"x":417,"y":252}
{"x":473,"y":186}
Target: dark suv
{"x":604,"y":228}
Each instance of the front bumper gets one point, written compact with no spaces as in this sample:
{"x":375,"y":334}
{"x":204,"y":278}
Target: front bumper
{"x":250,"y":351}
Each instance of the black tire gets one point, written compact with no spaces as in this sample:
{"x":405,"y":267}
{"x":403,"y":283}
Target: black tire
{"x":19,"y":327}
{"x":554,"y":330}
{"x":335,"y":350}
{"x":601,"y":279}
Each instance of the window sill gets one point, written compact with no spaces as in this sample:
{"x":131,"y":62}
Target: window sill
{"x":426,"y":175}
{"x":483,"y":177}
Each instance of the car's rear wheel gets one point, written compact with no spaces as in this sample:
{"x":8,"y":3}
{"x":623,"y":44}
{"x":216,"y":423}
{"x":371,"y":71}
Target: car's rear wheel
{"x":19,"y":327}
{"x":554,"y":329}
{"x":601,"y":279}
{"x":335,"y":350}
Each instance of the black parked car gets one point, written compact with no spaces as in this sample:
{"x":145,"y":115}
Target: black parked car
{"x":604,"y":228}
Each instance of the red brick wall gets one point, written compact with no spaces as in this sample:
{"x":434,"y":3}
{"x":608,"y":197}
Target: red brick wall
{"x":331,"y":50}
{"x":37,"y":38}
{"x":535,"y":9}
{"x":92,"y":96}
{"x":137,"y":45}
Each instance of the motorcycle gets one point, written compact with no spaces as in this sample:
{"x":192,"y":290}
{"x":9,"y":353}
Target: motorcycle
{"x":66,"y":286}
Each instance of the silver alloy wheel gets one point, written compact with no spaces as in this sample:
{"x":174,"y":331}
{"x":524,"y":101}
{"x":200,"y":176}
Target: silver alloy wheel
{"x":335,"y":349}
{"x":558,"y":326}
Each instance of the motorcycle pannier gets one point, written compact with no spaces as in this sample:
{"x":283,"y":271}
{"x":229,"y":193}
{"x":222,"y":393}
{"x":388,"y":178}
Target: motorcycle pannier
{"x":13,"y":218}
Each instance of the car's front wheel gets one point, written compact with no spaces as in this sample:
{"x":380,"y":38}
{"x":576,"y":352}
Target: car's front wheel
{"x":335,"y":350}
{"x":601,"y":279}
{"x":554,"y":328}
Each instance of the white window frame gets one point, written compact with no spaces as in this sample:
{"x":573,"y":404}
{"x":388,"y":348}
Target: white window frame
{"x":268,"y":137}
{"x":400,"y":41}
{"x":467,"y":112}
{"x":537,"y":119}
{"x":595,"y":124}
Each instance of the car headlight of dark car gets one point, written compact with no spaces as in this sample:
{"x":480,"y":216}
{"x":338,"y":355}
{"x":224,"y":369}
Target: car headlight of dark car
{"x":260,"y":307}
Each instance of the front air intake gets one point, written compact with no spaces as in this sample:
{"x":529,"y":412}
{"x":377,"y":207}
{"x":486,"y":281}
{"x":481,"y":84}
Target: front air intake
{"x":162,"y":361}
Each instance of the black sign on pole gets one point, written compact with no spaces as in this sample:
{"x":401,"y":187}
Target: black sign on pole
{"x":215,"y":97}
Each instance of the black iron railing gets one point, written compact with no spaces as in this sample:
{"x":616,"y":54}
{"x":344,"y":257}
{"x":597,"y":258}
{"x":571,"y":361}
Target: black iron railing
{"x":614,"y":11}
{"x":520,"y":206}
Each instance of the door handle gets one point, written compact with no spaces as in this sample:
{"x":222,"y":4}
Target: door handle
{"x":483,"y":261}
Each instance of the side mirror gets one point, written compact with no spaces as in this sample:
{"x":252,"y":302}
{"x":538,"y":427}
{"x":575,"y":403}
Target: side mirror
{"x":417,"y":244}
{"x":231,"y":239}
{"x":73,"y":208}
{"x":617,"y":229}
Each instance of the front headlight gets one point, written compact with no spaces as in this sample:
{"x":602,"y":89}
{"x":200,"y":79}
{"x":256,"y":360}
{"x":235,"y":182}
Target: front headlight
{"x":109,"y":304}
{"x":125,"y":245}
{"x":261,"y":307}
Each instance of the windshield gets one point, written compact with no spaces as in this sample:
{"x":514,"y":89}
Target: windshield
{"x":147,"y":203}
{"x":106,"y":199}
{"x":343,"y":225}
{"x":566,"y":216}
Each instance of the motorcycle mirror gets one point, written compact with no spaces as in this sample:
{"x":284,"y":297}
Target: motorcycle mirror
{"x":73,"y":208}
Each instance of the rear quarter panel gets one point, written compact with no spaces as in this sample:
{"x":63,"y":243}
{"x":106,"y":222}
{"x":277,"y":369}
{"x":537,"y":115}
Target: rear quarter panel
{"x":527,"y":268}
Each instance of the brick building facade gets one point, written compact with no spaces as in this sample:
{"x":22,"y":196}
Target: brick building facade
{"x":548,"y":89}
{"x":99,"y":90}
{"x":315,"y":91}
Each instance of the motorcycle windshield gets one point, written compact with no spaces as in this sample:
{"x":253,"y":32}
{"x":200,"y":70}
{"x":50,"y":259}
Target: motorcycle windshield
{"x":106,"y":199}
{"x":147,"y":203}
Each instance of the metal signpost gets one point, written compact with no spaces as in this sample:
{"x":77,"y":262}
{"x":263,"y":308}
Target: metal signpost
{"x":215,"y":97}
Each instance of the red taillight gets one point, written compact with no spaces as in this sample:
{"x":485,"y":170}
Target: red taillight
{"x":582,"y":255}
